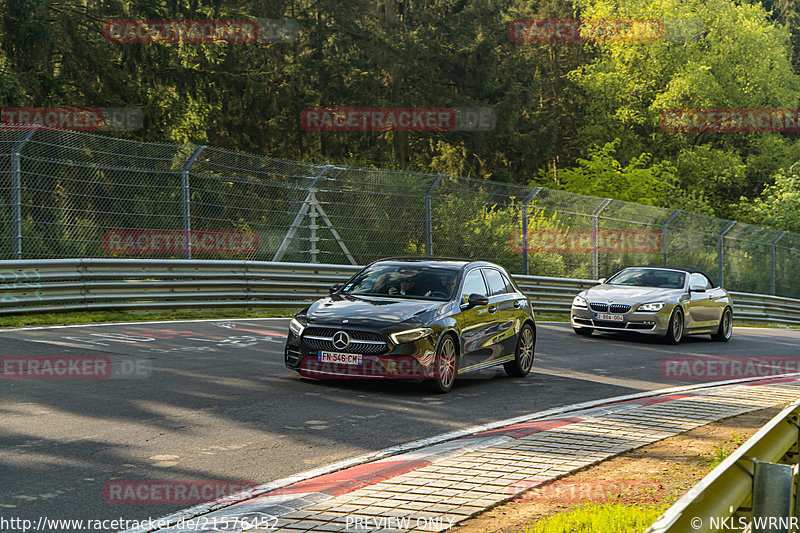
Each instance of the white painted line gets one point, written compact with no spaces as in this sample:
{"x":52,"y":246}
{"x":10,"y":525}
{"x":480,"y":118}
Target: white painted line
{"x":574,"y":409}
{"x":144,"y":323}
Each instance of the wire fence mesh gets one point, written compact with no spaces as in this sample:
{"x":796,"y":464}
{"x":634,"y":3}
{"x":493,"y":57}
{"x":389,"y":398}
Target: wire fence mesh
{"x":70,"y":194}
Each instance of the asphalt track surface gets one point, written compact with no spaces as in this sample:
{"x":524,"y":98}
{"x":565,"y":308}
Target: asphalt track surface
{"x":213,"y":401}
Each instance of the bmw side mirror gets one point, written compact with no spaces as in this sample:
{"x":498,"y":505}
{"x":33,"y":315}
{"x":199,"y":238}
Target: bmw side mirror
{"x":335,"y":288}
{"x":601,"y":281}
{"x":476,"y":300}
{"x":697,"y":288}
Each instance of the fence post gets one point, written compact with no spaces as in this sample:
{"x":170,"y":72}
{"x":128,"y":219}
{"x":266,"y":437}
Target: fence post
{"x":525,"y":204}
{"x":313,"y":239}
{"x":721,"y":251}
{"x":16,"y":196}
{"x":664,"y":229}
{"x":772,"y":262}
{"x":300,"y":213}
{"x":187,"y":223}
{"x":595,"y":231}
{"x":429,"y":216}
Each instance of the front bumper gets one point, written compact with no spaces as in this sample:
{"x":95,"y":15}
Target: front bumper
{"x":411,"y":360}
{"x":650,"y":323}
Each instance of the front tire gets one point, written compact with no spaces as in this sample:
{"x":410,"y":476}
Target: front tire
{"x":523,"y":355}
{"x":445,"y":365}
{"x":725,"y":330}
{"x":675,"y":331}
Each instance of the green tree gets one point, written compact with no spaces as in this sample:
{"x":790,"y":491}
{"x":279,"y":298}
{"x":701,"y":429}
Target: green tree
{"x":602,"y":174}
{"x":778,"y":206}
{"x":739,"y":59}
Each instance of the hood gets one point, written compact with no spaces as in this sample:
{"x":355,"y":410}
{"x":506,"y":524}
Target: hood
{"x":374,"y":313}
{"x":630,"y":295}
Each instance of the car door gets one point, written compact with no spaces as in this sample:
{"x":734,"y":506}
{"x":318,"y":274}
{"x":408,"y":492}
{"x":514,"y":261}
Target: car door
{"x":504,"y":302}
{"x":475,"y":322}
{"x":703,"y":310}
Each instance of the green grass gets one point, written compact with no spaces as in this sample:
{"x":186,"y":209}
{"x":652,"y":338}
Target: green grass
{"x":93,"y":317}
{"x":722,"y":451}
{"x":624,"y":517}
{"x":594,"y":518}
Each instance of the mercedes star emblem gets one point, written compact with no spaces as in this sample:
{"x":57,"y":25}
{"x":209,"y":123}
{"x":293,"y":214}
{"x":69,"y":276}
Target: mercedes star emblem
{"x":341,"y":340}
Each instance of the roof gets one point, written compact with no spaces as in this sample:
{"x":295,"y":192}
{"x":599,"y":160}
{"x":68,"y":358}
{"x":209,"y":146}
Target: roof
{"x":422,"y":260}
{"x":681,"y":269}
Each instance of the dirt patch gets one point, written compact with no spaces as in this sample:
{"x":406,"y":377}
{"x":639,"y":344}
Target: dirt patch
{"x":659,"y":473}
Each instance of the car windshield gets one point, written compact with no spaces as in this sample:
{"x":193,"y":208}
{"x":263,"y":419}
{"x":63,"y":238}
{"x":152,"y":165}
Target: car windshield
{"x":404,"y":281}
{"x":649,"y":277}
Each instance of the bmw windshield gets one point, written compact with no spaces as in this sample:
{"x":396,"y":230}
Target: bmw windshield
{"x":649,"y":277}
{"x":404,"y":281}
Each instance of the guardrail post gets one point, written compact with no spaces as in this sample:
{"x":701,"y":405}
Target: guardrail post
{"x":595,"y":239}
{"x":185,"y":198}
{"x":664,"y":229}
{"x":16,"y":196}
{"x":721,"y":251}
{"x":772,"y":262}
{"x":287,"y":239}
{"x":429,"y":216}
{"x":525,"y":204}
{"x":773,"y":484}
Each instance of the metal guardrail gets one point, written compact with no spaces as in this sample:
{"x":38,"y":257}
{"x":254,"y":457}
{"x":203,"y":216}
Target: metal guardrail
{"x":750,"y":486}
{"x":90,"y":284}
{"x":55,"y":285}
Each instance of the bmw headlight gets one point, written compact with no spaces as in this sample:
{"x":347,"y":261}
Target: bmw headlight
{"x":296,"y":327}
{"x":654,"y":306}
{"x":410,"y":335}
{"x":579,"y":301}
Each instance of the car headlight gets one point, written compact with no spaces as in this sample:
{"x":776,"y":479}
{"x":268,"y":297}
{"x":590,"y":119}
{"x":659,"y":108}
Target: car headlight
{"x":579,"y":302}
{"x":296,"y":327}
{"x":655,"y":306}
{"x":410,"y":335}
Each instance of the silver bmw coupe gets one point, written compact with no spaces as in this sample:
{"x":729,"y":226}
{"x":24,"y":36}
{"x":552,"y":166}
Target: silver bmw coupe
{"x":663,"y":301}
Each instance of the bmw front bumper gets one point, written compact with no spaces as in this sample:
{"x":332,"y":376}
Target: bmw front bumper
{"x":647,"y":322}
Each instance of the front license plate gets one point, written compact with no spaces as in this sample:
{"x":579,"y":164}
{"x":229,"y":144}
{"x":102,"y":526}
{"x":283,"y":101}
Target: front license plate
{"x":341,"y":358}
{"x":613,"y":318}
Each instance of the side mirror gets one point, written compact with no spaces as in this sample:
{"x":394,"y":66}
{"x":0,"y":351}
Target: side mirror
{"x":601,"y":281}
{"x":335,"y":288}
{"x":697,"y":288}
{"x":476,"y":300}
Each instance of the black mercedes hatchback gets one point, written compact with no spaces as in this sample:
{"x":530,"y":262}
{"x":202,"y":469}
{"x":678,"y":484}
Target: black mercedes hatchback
{"x":417,"y":319}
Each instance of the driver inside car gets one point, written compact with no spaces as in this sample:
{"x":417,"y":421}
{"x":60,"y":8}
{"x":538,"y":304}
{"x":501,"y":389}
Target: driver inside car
{"x":410,"y":286}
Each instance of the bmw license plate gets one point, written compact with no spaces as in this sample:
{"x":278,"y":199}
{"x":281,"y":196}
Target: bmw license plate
{"x":612,"y":318}
{"x":341,"y":358}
